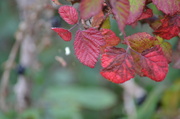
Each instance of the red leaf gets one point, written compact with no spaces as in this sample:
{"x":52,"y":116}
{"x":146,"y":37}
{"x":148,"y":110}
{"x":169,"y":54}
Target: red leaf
{"x":169,"y":28}
{"x":87,"y":46}
{"x":167,"y":33}
{"x":120,"y":9}
{"x":154,"y":64}
{"x":98,"y":19}
{"x":147,"y":13}
{"x":90,"y":8}
{"x":168,"y":6}
{"x":110,"y":37}
{"x":69,"y":14}
{"x":117,"y":65}
{"x":63,"y":33}
{"x":137,"y":64}
{"x":136,"y":9}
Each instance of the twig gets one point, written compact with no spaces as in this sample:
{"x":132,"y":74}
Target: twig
{"x":5,"y":76}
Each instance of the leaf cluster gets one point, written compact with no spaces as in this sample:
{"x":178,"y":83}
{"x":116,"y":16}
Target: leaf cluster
{"x":146,"y":55}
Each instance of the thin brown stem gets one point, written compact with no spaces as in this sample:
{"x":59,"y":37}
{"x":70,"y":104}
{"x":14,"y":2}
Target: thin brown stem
{"x":6,"y":74}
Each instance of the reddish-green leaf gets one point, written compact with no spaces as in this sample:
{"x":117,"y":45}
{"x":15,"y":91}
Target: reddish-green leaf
{"x":169,"y":28}
{"x":89,"y":8}
{"x":69,"y":14}
{"x":63,"y":33}
{"x":168,"y":6}
{"x":110,"y":37}
{"x":154,"y":64}
{"x":141,"y":41}
{"x":87,"y":46}
{"x":117,"y":65}
{"x":120,"y":9}
{"x":136,"y":9}
{"x":166,"y":48}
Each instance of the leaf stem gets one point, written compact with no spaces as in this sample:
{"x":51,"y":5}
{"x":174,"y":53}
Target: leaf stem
{"x":73,"y":27}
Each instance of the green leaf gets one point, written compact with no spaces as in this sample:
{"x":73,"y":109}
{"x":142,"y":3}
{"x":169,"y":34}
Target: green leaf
{"x":30,"y":114}
{"x":65,"y":111}
{"x":171,"y":98}
{"x":91,"y":98}
{"x":97,"y":98}
{"x":106,"y":24}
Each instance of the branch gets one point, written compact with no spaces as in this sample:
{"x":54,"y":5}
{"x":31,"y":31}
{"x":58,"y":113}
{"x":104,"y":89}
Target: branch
{"x":6,"y":74}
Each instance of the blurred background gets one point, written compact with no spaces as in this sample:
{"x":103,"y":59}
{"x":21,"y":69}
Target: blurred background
{"x":40,"y":77}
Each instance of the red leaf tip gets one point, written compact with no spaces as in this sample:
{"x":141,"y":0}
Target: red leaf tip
{"x":63,"y":33}
{"x":69,"y":14}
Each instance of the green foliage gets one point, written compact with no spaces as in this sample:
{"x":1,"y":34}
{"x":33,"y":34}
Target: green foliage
{"x":67,"y":102}
{"x":150,"y":105}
